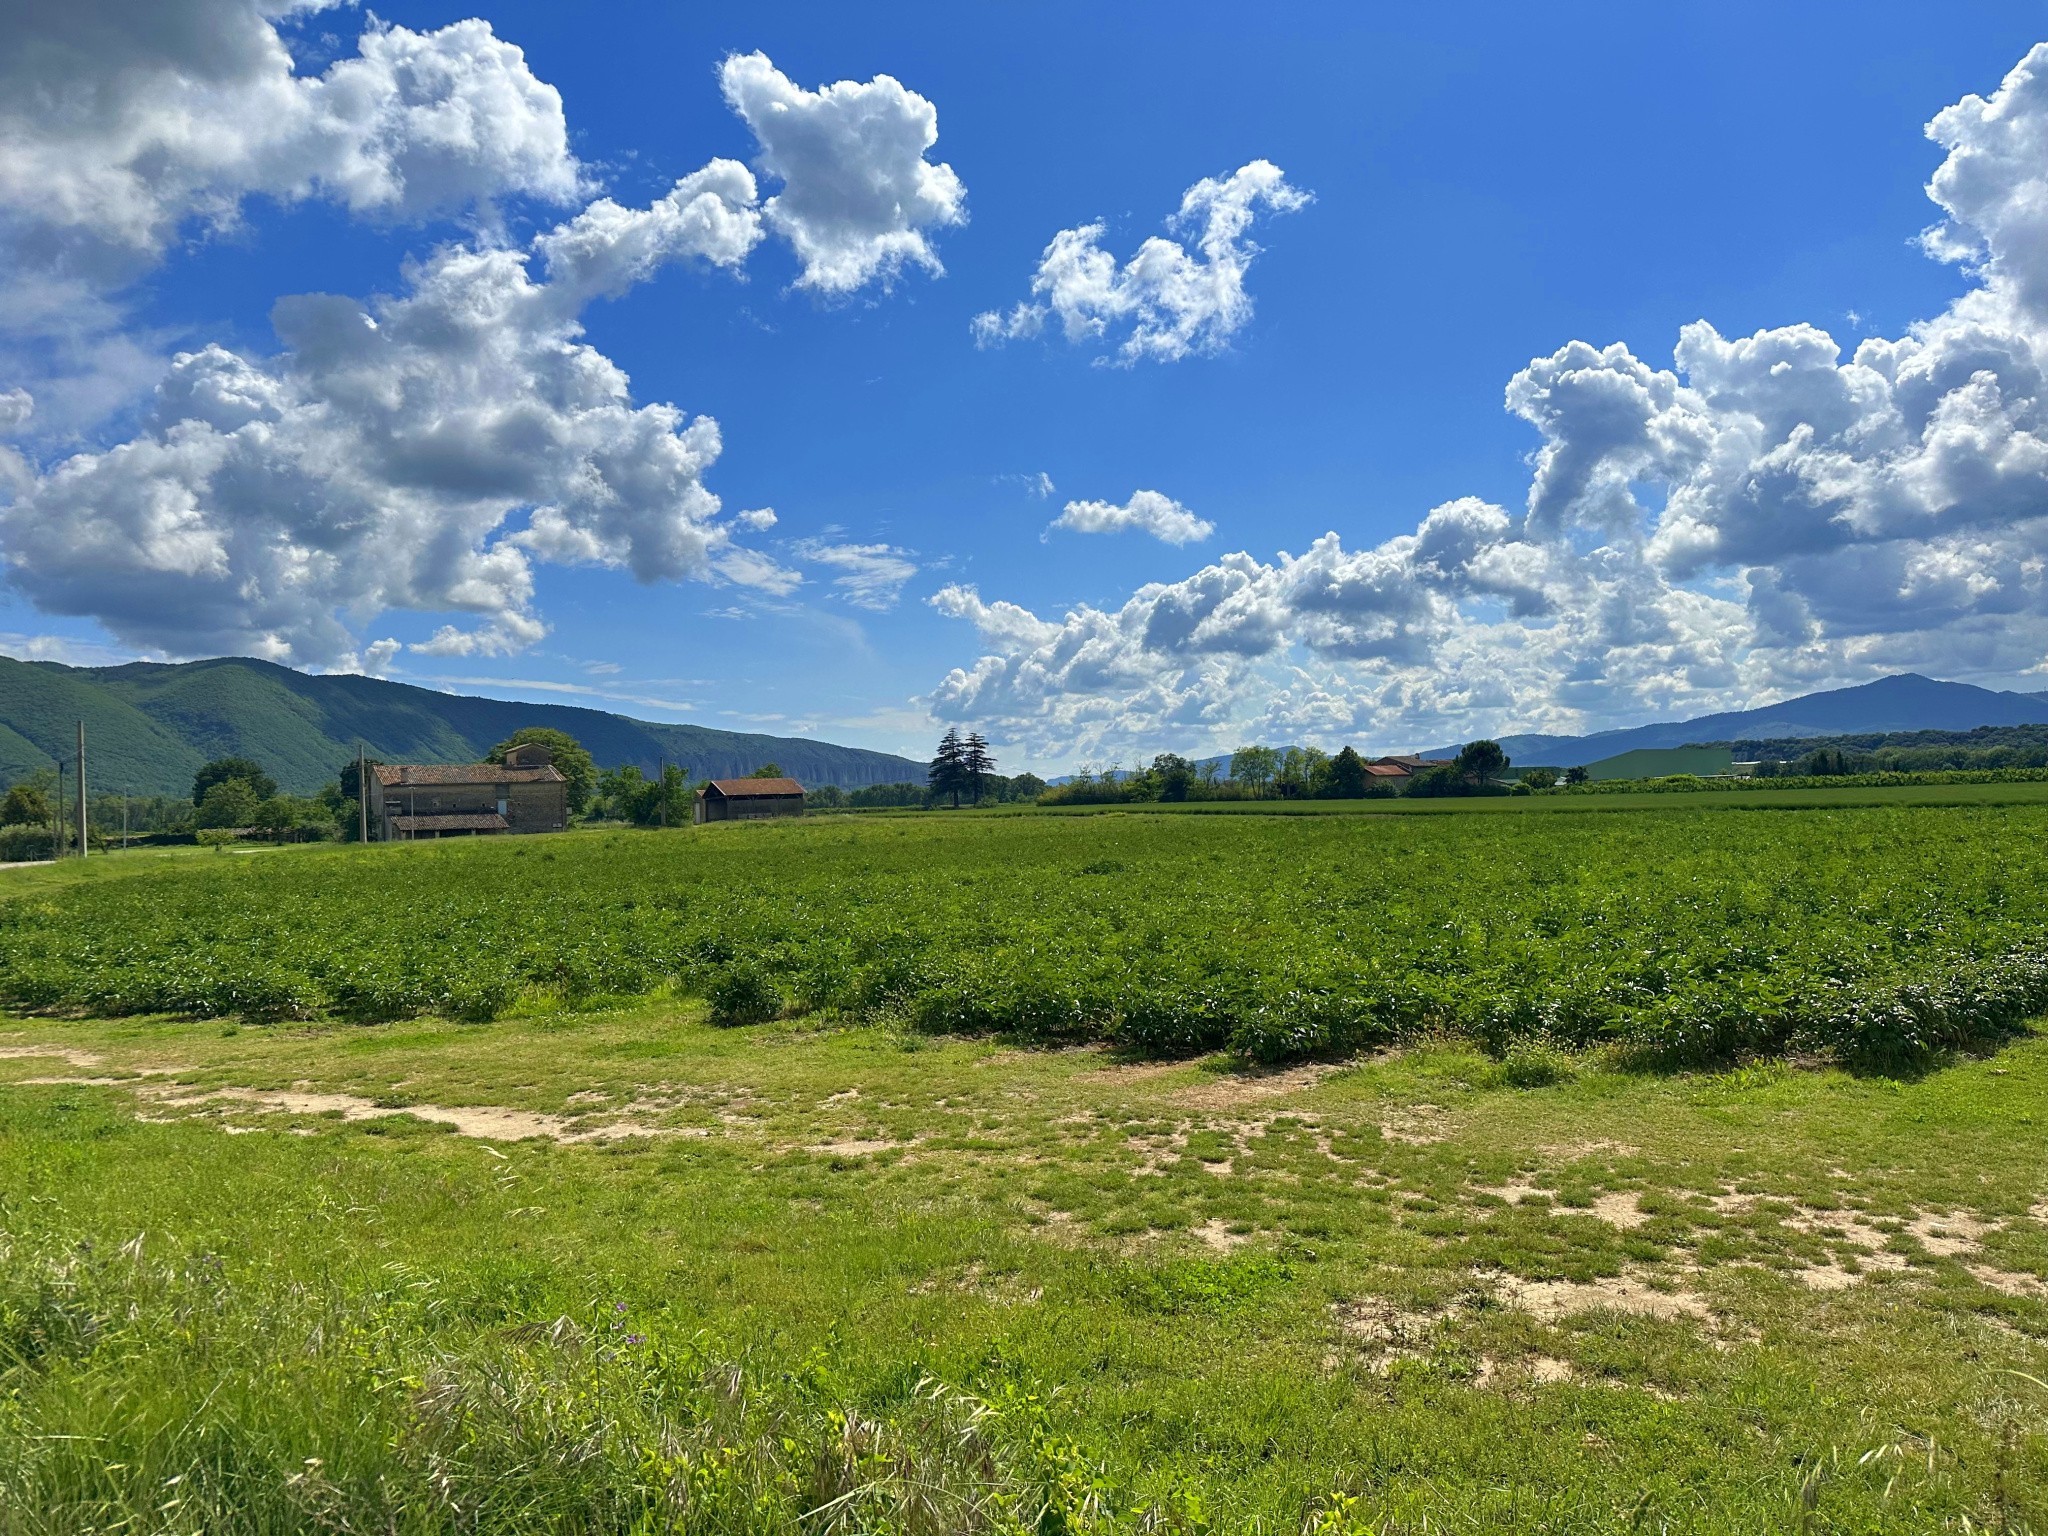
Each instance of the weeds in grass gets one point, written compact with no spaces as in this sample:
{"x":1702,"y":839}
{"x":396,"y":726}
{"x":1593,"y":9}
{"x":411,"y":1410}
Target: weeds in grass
{"x":167,"y":1394}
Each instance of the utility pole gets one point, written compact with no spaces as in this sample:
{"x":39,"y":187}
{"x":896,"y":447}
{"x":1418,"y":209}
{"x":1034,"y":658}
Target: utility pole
{"x":84,"y":828}
{"x":57,"y":842}
{"x":362,"y":795}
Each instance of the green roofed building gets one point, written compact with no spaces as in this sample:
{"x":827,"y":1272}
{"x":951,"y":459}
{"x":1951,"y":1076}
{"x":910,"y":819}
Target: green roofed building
{"x":1660,"y":762}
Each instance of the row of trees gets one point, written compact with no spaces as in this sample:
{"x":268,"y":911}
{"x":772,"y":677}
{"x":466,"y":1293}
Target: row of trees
{"x":1297,"y":773}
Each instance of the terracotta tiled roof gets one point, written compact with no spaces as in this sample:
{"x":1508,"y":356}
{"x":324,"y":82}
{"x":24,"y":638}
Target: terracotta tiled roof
{"x":1387,"y":771}
{"x":736,"y":789}
{"x":480,"y":822}
{"x":402,"y":775}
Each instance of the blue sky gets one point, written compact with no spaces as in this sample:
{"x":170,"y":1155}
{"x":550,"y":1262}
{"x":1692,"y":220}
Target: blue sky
{"x":1486,"y":185}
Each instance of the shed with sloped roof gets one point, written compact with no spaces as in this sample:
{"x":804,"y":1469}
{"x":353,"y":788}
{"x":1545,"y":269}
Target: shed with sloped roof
{"x":749,"y":799}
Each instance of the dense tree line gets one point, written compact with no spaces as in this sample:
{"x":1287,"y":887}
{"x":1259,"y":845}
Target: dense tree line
{"x":1993,"y":747}
{"x":1268,"y":773}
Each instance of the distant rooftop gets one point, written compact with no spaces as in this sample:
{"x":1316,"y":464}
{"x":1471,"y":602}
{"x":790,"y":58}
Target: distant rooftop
{"x":423,"y":775}
{"x":755,"y":788}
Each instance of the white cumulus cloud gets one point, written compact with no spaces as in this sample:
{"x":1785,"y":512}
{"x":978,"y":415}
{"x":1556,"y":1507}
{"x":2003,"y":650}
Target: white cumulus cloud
{"x":858,"y":198}
{"x":1763,"y":517}
{"x":1165,"y":302}
{"x":1146,"y":512}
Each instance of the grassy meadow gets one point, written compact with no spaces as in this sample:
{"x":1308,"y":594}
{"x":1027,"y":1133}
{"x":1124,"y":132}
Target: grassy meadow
{"x":589,"y":1261}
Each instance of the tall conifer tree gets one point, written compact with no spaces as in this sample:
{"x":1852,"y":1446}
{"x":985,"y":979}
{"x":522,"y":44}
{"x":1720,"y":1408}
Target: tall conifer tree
{"x":978,"y":762}
{"x":948,"y":772}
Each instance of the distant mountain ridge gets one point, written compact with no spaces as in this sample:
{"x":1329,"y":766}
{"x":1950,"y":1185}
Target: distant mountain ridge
{"x":1903,"y":702}
{"x":149,"y":727}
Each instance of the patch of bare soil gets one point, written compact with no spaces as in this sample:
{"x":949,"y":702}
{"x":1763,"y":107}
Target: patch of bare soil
{"x":1943,"y":1234}
{"x":1616,"y":1209}
{"x":1950,"y":1234}
{"x":854,"y":1148}
{"x":1131,"y":1071}
{"x":1236,"y":1089}
{"x":1572,"y":1151}
{"x":1549,"y":1300}
{"x":1619,"y":1209}
{"x":73,"y":1082}
{"x":486,"y":1122}
{"x":1529,"y":1370}
{"x":1216,"y":1234}
{"x":1419,"y":1125}
{"x":53,"y":1052}
{"x":1839,"y":1226}
{"x":2008,"y":1282}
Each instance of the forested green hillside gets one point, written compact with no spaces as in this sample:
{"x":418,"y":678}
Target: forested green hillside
{"x":149,"y":726}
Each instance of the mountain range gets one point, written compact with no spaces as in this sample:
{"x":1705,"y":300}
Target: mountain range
{"x":149,"y":726}
{"x":1904,"y":702}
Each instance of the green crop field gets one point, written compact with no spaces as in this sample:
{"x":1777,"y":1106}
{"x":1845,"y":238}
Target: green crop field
{"x":1663,"y":1167}
{"x":1684,"y":932}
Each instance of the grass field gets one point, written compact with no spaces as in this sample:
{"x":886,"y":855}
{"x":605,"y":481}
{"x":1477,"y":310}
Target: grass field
{"x":601,"y":1265}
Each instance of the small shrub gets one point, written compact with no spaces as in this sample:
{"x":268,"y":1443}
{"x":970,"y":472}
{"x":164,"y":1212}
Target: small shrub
{"x":480,"y":998}
{"x":744,"y":995}
{"x":1530,"y":1065}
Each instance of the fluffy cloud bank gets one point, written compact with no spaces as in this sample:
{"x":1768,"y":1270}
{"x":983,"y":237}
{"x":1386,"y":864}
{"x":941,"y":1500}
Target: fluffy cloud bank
{"x":1164,"y":302}
{"x":1146,"y":512}
{"x":127,"y":124}
{"x":121,"y":121}
{"x":422,"y":451}
{"x":1764,"y":516}
{"x":270,"y":505}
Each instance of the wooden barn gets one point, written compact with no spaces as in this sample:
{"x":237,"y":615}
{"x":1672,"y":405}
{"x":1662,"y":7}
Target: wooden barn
{"x":749,"y":799}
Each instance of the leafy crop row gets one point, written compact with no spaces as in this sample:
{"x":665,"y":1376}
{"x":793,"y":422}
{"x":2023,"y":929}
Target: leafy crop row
{"x":1878,"y":934}
{"x":1685,"y":783}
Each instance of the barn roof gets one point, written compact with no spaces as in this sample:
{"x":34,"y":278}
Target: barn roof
{"x":421,"y":775}
{"x":479,"y":822}
{"x":748,"y":789}
{"x":1387,"y":771}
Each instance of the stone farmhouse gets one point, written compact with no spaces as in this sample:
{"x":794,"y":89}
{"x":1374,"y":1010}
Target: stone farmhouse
{"x":525,"y":793}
